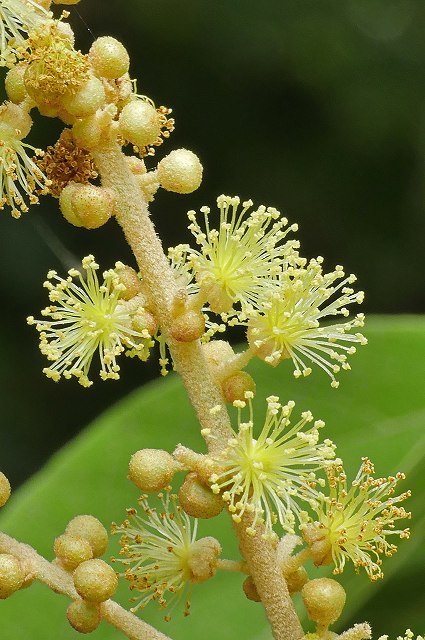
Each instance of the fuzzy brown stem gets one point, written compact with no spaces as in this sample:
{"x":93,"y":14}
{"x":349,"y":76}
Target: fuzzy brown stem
{"x":204,"y":393}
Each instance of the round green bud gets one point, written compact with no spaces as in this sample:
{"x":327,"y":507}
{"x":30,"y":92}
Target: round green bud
{"x":11,"y":575}
{"x":188,"y":326}
{"x":14,"y":121}
{"x":140,"y":123}
{"x":95,"y":580}
{"x":48,"y":109}
{"x":197,"y":500}
{"x":129,"y":278}
{"x":109,"y":58}
{"x":89,"y":131}
{"x":296,"y":580}
{"x":92,"y":530}
{"x":324,"y":599}
{"x":250,"y":590}
{"x":88,"y":99}
{"x":86,"y":205}
{"x":15,"y":85}
{"x":5,"y":489}
{"x":180,"y":171}
{"x":203,"y":559}
{"x":144,"y":320}
{"x":84,"y":616}
{"x":235,"y":386}
{"x":151,"y":469}
{"x":72,"y":550}
{"x":216,"y":352}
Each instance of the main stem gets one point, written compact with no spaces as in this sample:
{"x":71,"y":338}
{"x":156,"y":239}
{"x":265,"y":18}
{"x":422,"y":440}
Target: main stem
{"x":133,"y":216}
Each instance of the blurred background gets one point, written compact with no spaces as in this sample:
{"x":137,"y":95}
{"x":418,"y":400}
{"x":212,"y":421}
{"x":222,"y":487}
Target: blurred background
{"x":314,"y":107}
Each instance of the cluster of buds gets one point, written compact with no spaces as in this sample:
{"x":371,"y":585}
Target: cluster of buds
{"x":266,"y":479}
{"x":78,"y":551}
{"x":95,"y":97}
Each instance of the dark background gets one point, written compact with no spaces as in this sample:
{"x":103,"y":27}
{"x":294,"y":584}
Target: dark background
{"x":313,"y":106}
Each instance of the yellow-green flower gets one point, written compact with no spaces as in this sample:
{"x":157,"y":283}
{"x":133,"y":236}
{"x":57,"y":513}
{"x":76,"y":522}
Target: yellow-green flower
{"x":235,"y":259}
{"x":289,"y":321}
{"x":161,"y":554}
{"x":266,"y":475}
{"x":354,"y":521}
{"x":21,"y":180}
{"x":17,"y":18}
{"x":90,"y":317}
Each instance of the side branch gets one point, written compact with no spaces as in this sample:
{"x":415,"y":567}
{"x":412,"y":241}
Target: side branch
{"x":60,"y":581}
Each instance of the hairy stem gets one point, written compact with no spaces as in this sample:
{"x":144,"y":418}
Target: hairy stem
{"x":60,"y":581}
{"x":204,"y":393}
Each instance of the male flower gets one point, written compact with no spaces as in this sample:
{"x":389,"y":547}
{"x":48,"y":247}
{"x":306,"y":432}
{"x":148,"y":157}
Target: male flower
{"x":90,"y":317}
{"x":354,"y":521}
{"x":20,"y":177}
{"x":162,"y":555}
{"x":266,"y":475}
{"x":17,"y":18}
{"x":236,"y":259}
{"x":288,"y":323}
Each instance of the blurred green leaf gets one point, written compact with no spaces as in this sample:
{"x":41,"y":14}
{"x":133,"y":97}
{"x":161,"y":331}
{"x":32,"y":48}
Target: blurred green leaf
{"x":378,"y":411}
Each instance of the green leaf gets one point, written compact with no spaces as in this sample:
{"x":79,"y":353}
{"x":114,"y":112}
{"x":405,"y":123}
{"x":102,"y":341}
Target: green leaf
{"x":379,"y":411}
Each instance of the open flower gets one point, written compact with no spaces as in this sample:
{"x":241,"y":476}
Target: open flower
{"x":162,"y":555}
{"x":288,"y":324}
{"x":20,"y":177}
{"x":235,"y":259}
{"x":354,"y":521}
{"x":17,"y":18}
{"x":90,"y":317}
{"x":266,"y":475}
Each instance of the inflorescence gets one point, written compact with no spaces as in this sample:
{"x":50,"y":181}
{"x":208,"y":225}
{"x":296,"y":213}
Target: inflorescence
{"x":246,"y":270}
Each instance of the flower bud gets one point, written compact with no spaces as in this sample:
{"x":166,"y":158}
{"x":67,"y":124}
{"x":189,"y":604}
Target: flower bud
{"x":235,"y":386}
{"x":250,"y":590}
{"x":144,"y":320}
{"x":95,"y":580}
{"x":296,"y":580}
{"x":109,"y":58}
{"x":216,"y":352}
{"x":197,"y":500}
{"x":129,"y":278}
{"x":189,"y":326}
{"x":136,"y":165}
{"x":86,"y":205}
{"x":151,"y":469}
{"x":87,"y":100}
{"x":14,"y":121}
{"x":320,"y":547}
{"x":72,"y":550}
{"x":4,"y":489}
{"x":202,"y":562}
{"x":180,"y":171}
{"x":15,"y":85}
{"x":11,"y":575}
{"x":84,"y":616}
{"x":92,"y":530}
{"x":324,"y":599}
{"x":89,"y":131}
{"x":140,"y":123}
